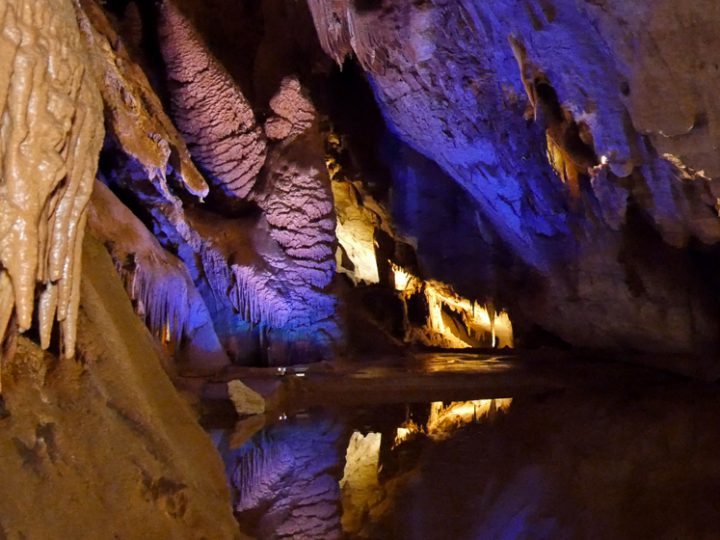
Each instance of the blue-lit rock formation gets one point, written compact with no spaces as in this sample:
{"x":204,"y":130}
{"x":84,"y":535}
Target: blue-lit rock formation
{"x":289,"y":469}
{"x":584,"y":135}
{"x":261,"y":250}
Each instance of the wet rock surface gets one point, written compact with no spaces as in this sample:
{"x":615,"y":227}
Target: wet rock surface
{"x":610,"y":226}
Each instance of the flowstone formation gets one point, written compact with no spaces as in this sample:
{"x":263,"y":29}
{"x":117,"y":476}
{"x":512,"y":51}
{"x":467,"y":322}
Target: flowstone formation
{"x":280,"y":284}
{"x":259,"y":253}
{"x":601,"y":186}
{"x":50,"y":136}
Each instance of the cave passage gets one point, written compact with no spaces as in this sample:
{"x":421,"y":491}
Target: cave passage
{"x":373,"y":269}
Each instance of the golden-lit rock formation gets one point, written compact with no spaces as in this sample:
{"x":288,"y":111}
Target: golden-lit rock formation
{"x":453,"y":322}
{"x":50,"y":137}
{"x":134,"y":114}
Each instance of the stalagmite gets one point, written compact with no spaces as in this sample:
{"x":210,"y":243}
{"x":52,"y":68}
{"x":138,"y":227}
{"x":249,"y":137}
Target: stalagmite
{"x":50,"y":137}
{"x":297,"y":200}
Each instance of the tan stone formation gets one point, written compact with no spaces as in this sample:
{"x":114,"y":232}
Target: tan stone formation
{"x":50,"y":137}
{"x":133,"y":112}
{"x":216,"y":120}
{"x":246,"y":400}
{"x":105,"y":448}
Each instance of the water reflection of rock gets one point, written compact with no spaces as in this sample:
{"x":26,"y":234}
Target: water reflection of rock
{"x":323,"y":476}
{"x":285,"y":480}
{"x":643,"y":465}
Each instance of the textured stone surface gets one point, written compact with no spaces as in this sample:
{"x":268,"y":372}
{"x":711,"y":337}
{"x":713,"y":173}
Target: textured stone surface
{"x":290,"y":470}
{"x":157,"y":282}
{"x":50,"y":136}
{"x":486,"y":90}
{"x":213,"y":115}
{"x":297,"y":202}
{"x":133,"y":112}
{"x":246,"y":400}
{"x":106,"y":447}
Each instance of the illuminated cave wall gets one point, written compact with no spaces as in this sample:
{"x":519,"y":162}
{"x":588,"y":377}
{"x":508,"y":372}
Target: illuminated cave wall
{"x":371,"y":251}
{"x":584,"y":134}
{"x":554,"y":162}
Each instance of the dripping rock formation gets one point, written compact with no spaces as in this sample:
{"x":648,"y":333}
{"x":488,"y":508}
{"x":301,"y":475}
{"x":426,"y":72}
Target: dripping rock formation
{"x":273,"y":183}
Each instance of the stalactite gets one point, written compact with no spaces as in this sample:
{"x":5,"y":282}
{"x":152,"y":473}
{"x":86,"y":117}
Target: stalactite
{"x":157,"y":282}
{"x":134,"y":113}
{"x":209,"y":109}
{"x":50,"y":137}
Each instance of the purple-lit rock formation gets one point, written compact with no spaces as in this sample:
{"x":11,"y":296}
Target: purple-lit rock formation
{"x":214,"y":117}
{"x":262,"y":275}
{"x":291,"y":470}
{"x":297,"y":202}
{"x":157,"y":282}
{"x":486,"y":90}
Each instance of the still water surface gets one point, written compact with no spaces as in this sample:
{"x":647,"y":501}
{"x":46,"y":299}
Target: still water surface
{"x":641,"y":461}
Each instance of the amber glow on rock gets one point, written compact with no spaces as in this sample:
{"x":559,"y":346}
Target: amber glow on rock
{"x":406,"y":431}
{"x":359,"y":483}
{"x":444,"y":419}
{"x":453,"y":321}
{"x":355,"y":232}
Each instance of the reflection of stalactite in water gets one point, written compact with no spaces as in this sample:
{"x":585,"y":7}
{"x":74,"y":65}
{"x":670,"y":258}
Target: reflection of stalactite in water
{"x":445,"y":419}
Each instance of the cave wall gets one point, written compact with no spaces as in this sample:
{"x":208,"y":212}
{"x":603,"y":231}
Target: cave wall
{"x":105,"y":446}
{"x":621,"y":221}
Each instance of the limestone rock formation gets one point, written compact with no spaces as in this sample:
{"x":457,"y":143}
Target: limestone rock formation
{"x":291,"y":469}
{"x":105,"y":447}
{"x":50,"y":137}
{"x":157,"y":282}
{"x":488,"y":90}
{"x":296,"y":198}
{"x":213,"y":115}
{"x":263,"y":275}
{"x":134,"y":114}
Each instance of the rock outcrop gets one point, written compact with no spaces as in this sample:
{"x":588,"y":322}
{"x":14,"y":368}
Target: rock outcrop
{"x":105,"y":447}
{"x":158,"y":284}
{"x":488,"y":90}
{"x":297,"y":202}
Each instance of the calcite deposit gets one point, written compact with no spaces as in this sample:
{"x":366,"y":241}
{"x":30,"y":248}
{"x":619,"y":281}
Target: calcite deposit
{"x":50,"y":135}
{"x":213,"y":115}
{"x":544,"y":114}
